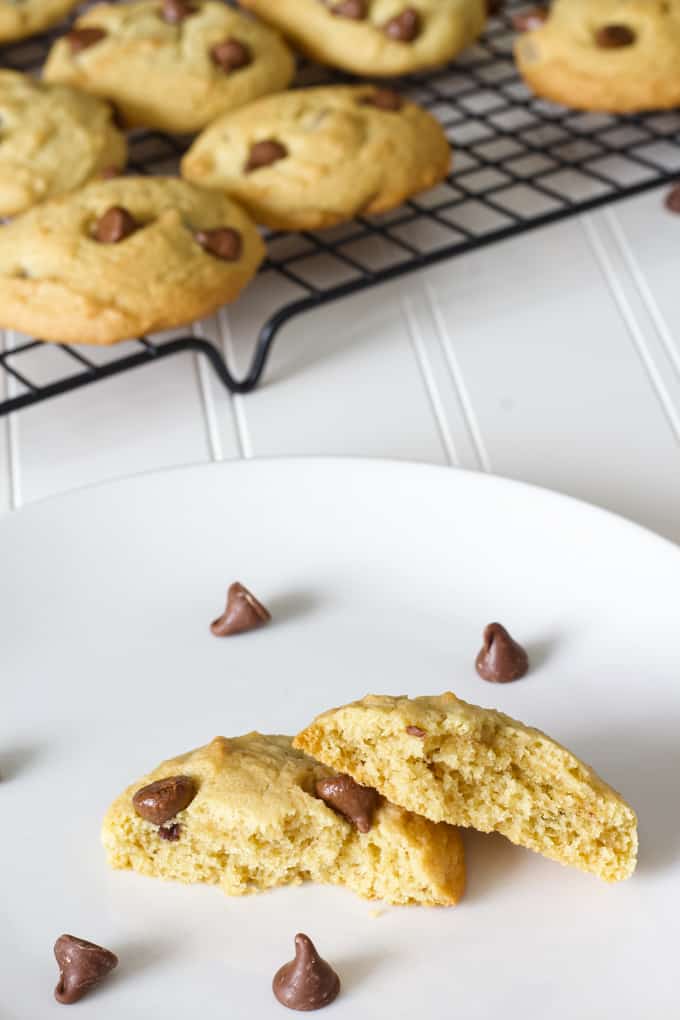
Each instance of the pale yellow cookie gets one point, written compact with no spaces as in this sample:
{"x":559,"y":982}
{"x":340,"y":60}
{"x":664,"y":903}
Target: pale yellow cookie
{"x":169,"y":66}
{"x":376,"y":37}
{"x":21,"y":18}
{"x":122,"y":258}
{"x":314,"y":157}
{"x":618,"y":56}
{"x":255,"y":822}
{"x":455,"y":762}
{"x":54,"y":139}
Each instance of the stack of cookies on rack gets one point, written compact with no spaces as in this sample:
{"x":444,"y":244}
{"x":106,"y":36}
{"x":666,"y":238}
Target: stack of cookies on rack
{"x":90,"y":255}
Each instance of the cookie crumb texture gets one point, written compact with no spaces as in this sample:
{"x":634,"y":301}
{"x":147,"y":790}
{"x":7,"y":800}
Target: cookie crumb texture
{"x":21,"y":18}
{"x":171,"y":75}
{"x":54,"y":139}
{"x":477,"y":767}
{"x":58,"y":282}
{"x":615,"y":56}
{"x":376,"y":37}
{"x":255,"y":824}
{"x":338,"y":155}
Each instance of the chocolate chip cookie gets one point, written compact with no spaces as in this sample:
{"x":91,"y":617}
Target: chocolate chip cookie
{"x":376,"y":37}
{"x":618,"y":56}
{"x":246,"y":814}
{"x":21,"y":18}
{"x":171,"y":64}
{"x":477,"y":767}
{"x":121,"y":258}
{"x":314,"y":157}
{"x":54,"y":139}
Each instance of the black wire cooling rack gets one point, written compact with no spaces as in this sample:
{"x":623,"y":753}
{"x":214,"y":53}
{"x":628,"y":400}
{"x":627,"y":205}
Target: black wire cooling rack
{"x":520,"y":163}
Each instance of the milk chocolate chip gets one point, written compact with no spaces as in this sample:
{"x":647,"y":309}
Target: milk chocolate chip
{"x":174,"y":11}
{"x":613,"y":37}
{"x":384,"y":99}
{"x":527,"y":21}
{"x":81,"y":966}
{"x":672,"y":200}
{"x":415,"y":731}
{"x":80,"y":39}
{"x":354,"y":9}
{"x":224,"y":243}
{"x":405,"y":27}
{"x":160,"y":801}
{"x":115,"y":225}
{"x":307,"y":982}
{"x":355,"y":802}
{"x":501,"y":659}
{"x":264,"y":154}
{"x":231,"y":55}
{"x":170,"y":833}
{"x":243,"y":612}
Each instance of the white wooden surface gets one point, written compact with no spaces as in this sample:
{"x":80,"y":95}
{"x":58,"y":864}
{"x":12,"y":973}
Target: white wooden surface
{"x":553,"y":358}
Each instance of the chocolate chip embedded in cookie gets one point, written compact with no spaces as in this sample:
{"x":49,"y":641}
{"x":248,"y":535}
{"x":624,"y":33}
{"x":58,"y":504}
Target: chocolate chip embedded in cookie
{"x":355,"y":802}
{"x":102,"y":264}
{"x":54,"y":139}
{"x":82,"y":965}
{"x":609,"y":56}
{"x":257,"y":824}
{"x":307,"y":982}
{"x":376,"y":39}
{"x":347,"y":150}
{"x":159,"y":802}
{"x":174,"y":65}
{"x":25,"y":18}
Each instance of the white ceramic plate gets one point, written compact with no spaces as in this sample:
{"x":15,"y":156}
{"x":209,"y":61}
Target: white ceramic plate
{"x":380,"y":578}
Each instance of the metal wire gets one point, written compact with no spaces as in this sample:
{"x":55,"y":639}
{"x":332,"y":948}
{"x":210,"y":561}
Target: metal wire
{"x":520,"y":163}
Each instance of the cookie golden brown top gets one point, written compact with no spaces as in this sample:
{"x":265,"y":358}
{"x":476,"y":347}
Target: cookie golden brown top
{"x":376,"y":37}
{"x":171,"y":65}
{"x":617,"y":56}
{"x":54,"y":139}
{"x":121,"y":258}
{"x":313,"y":157}
{"x":455,"y":762}
{"x":27,"y":17}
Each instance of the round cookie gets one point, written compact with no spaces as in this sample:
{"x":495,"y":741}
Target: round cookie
{"x":54,"y":139}
{"x":122,"y":258}
{"x":618,"y":56}
{"x":21,"y":18}
{"x":314,"y":157}
{"x":376,"y":37}
{"x":171,"y":64}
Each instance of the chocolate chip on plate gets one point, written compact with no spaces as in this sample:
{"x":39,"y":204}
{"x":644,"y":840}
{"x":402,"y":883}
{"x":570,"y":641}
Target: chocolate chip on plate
{"x":81,"y":966}
{"x":223,"y":242}
{"x":115,"y":225}
{"x":500,"y":658}
{"x":243,"y":612}
{"x":160,"y":801}
{"x":264,"y":154}
{"x":231,"y":55}
{"x":405,"y":27}
{"x":80,"y":39}
{"x":307,"y":982}
{"x":354,"y":9}
{"x":531,"y":18}
{"x":613,"y":37}
{"x":354,"y":802}
{"x":672,"y":200}
{"x":415,"y":731}
{"x":174,"y":11}
{"x":384,"y":99}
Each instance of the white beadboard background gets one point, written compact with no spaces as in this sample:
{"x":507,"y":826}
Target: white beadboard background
{"x":553,"y":358}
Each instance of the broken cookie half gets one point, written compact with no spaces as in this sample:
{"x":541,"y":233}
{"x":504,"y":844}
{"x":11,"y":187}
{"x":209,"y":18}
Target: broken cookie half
{"x":458,"y":763}
{"x":251,"y":813}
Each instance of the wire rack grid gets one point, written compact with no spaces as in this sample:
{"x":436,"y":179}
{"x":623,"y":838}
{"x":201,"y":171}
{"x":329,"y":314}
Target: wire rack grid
{"x":519,"y":163}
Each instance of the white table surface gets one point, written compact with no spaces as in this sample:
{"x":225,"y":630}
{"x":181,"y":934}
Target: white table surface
{"x":552,"y":358}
